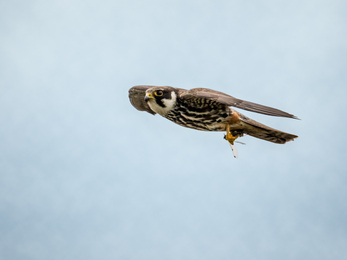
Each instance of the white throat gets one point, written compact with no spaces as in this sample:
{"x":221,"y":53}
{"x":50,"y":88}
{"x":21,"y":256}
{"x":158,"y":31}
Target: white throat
{"x":169,"y":105}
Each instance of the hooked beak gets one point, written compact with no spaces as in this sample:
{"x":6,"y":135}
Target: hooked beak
{"x":148,"y":96}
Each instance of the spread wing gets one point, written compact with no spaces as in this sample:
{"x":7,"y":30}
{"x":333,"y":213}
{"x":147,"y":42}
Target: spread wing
{"x":137,"y":98}
{"x":231,"y":101}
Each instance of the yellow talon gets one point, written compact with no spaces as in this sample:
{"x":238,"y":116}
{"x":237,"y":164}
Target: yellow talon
{"x":231,"y":137}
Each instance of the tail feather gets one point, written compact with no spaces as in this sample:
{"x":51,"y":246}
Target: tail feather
{"x":258,"y":130}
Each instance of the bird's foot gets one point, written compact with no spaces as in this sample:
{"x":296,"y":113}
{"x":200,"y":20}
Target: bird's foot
{"x":231,"y":136}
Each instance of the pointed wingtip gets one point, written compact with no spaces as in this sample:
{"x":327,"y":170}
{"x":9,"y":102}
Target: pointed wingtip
{"x":295,"y":117}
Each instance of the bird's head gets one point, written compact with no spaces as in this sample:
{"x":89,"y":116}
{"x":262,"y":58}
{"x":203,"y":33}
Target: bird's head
{"x":161,"y":99}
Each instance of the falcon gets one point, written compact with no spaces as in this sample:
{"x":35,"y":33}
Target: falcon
{"x":208,"y":110}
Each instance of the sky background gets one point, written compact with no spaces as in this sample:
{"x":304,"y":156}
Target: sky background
{"x":84,"y":175}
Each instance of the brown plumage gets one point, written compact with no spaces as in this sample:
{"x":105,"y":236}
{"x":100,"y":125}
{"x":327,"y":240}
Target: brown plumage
{"x":208,"y":110}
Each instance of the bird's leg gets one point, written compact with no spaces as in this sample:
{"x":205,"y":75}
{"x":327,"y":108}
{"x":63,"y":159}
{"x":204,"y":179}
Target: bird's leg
{"x":231,"y":136}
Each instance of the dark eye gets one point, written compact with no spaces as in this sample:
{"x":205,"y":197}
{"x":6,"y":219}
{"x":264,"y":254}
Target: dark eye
{"x":158,"y":93}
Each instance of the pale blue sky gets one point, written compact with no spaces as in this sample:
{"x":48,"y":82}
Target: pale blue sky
{"x":83,"y":175}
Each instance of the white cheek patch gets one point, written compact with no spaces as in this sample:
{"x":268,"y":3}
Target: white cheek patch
{"x":169,"y":105}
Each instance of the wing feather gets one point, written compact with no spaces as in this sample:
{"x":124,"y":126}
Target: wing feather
{"x":231,"y":101}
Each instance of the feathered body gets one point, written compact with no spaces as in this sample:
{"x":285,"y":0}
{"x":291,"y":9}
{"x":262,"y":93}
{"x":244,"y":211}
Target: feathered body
{"x":207,"y":110}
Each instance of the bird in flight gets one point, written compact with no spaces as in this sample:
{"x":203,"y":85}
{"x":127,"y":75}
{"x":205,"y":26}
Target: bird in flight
{"x":208,"y":110}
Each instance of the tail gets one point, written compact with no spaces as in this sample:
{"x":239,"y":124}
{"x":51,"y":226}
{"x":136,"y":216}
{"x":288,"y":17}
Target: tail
{"x":258,"y":130}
